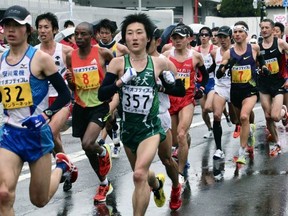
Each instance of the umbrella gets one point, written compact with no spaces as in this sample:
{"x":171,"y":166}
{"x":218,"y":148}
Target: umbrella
{"x":196,"y":27}
{"x":64,"y":33}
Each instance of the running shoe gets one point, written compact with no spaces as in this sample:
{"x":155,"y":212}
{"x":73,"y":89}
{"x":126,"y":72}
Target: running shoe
{"x":209,"y":134}
{"x":159,"y":195}
{"x":185,"y":171}
{"x":236,"y":133}
{"x":276,"y":149}
{"x":175,"y":198}
{"x":251,"y":137}
{"x":241,"y":159}
{"x":102,"y":192}
{"x":218,"y":177}
{"x":116,"y":152}
{"x":285,"y":117}
{"x":105,"y":163}
{"x":68,"y":180}
{"x":218,"y":155}
{"x":71,"y":170}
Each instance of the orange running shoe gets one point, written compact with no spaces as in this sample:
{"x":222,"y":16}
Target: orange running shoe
{"x":276,"y":149}
{"x":175,"y":198}
{"x":236,"y":133}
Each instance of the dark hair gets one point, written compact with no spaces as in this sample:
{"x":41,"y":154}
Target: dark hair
{"x":140,"y":18}
{"x":107,"y":24}
{"x":50,"y":17}
{"x":270,"y":21}
{"x":242,"y":23}
{"x":207,"y":29}
{"x":280,"y":25}
{"x":68,"y":22}
{"x":89,"y":27}
{"x":215,"y":29}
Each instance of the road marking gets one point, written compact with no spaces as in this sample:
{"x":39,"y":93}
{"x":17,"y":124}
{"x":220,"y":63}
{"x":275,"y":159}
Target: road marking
{"x":80,"y":155}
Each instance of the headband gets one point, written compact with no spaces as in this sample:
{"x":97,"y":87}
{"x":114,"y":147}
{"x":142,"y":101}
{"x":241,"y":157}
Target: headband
{"x":241,"y":27}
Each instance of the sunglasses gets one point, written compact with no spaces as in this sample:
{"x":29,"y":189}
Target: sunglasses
{"x":205,"y":34}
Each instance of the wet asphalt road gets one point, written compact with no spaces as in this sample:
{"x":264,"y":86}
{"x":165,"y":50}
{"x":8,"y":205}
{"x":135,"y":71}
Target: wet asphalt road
{"x":259,"y":189}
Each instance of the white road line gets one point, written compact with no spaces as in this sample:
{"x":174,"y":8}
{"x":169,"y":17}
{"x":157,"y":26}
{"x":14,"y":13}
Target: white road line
{"x":80,"y":155}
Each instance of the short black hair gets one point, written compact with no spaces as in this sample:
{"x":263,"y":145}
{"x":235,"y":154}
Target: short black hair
{"x":207,"y":29}
{"x":49,"y":16}
{"x":107,"y":24}
{"x":215,"y":29}
{"x":280,"y":25}
{"x":140,"y":18}
{"x":68,"y":22}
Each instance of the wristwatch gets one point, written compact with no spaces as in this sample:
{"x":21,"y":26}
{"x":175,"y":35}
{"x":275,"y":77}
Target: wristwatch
{"x":48,"y":113}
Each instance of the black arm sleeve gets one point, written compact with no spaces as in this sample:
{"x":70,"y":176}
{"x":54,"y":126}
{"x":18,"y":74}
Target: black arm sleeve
{"x":177,"y":90}
{"x":205,"y":75}
{"x":261,"y":60}
{"x":212,"y":67}
{"x":108,"y":87}
{"x":64,"y":95}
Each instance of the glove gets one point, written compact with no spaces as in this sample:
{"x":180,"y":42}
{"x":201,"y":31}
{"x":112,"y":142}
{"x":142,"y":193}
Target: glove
{"x":168,"y":77}
{"x":230,"y":64}
{"x":219,"y":73}
{"x":265,"y":71}
{"x":34,"y":122}
{"x":129,"y":74}
{"x":199,"y":93}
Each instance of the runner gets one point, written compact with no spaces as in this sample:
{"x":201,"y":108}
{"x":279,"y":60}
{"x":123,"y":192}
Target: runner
{"x":182,"y":109}
{"x":141,"y":130}
{"x":86,"y":71}
{"x":47,"y":27}
{"x":206,"y":101}
{"x":271,"y":83}
{"x":26,"y":136}
{"x":106,"y":29}
{"x":164,"y":149}
{"x":240,"y":60}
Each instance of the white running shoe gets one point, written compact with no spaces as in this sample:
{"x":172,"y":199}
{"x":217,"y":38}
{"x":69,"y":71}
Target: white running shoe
{"x":116,"y":152}
{"x":182,"y":181}
{"x":218,"y":155}
{"x":208,"y":135}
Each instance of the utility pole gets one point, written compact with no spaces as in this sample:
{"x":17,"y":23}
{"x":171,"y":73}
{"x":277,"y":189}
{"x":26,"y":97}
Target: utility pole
{"x":263,"y":10}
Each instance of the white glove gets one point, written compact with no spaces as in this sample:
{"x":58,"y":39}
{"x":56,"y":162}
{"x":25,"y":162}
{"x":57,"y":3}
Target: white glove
{"x":129,"y":74}
{"x":169,"y":77}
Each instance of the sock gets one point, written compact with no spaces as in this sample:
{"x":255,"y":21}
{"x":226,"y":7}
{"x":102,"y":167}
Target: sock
{"x":105,"y":182}
{"x":217,"y":132}
{"x":62,"y":166}
{"x":103,"y":153}
{"x":241,"y":151}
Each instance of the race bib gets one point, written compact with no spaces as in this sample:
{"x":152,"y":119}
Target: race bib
{"x":241,"y":74}
{"x":185,"y":77}
{"x":272,"y":65}
{"x":87,"y":77}
{"x":16,"y":95}
{"x":137,"y":99}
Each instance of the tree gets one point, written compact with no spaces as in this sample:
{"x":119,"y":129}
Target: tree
{"x":238,"y":8}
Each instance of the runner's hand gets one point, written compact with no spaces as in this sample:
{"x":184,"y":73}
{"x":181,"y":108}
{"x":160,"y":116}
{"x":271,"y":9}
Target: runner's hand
{"x":199,"y":93}
{"x":129,"y":75}
{"x":34,"y":122}
{"x":169,"y":77}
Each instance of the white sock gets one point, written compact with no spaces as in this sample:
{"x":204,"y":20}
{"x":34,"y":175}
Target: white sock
{"x":241,"y":151}
{"x":105,"y":182}
{"x":103,"y":153}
